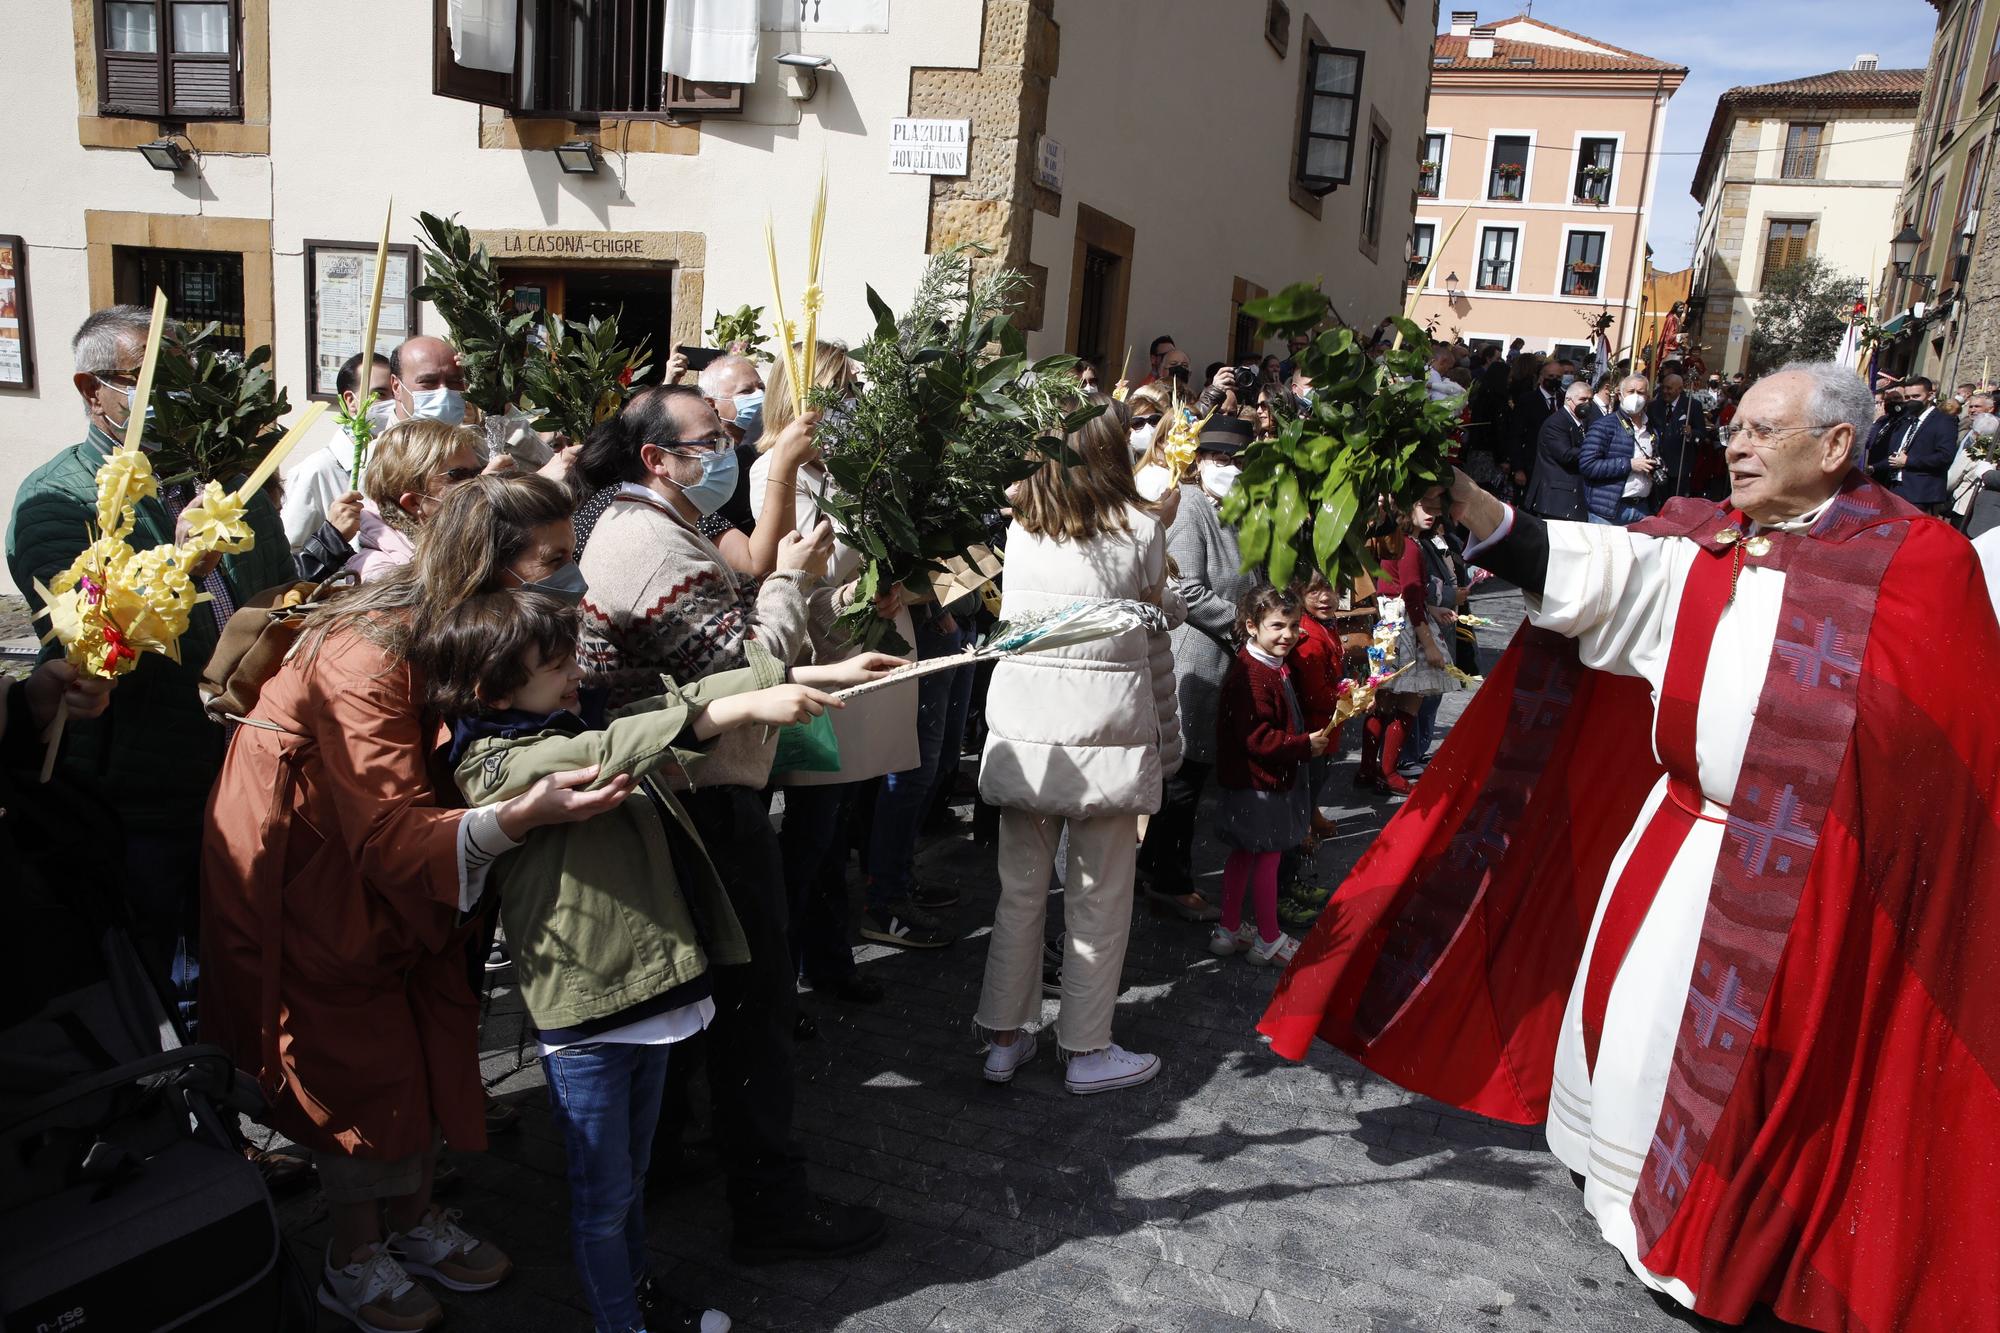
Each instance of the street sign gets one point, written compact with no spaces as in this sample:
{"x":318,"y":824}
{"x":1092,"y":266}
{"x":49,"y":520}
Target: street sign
{"x":929,"y":147}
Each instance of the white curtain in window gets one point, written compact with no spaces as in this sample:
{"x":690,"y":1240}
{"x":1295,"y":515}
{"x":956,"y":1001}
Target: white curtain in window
{"x":201,"y":29}
{"x":133,"y":27}
{"x":712,"y":41}
{"x":482,"y":33}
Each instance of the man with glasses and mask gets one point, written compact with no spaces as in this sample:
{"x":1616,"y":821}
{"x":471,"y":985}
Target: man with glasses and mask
{"x":1736,"y":794}
{"x":663,"y":600}
{"x":152,"y":756}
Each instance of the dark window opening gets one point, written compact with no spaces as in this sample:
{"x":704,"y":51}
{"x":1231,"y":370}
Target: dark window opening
{"x":1423,"y":236}
{"x":1510,"y":167}
{"x":1430,"y":168}
{"x":1100,"y":279}
{"x":1594,"y":161}
{"x":202,"y":286}
{"x":1583,"y":257}
{"x":1371,"y":198}
{"x":1332,"y":107}
{"x":1496,"y":259}
{"x":581,"y":60}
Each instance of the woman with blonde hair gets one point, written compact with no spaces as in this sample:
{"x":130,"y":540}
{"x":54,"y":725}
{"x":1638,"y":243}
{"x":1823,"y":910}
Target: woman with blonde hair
{"x":414,"y":465}
{"x":1079,"y":739}
{"x":1149,"y":409}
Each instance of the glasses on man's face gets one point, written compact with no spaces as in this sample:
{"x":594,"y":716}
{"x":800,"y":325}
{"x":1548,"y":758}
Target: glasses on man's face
{"x":1760,"y":433}
{"x":713,"y":444}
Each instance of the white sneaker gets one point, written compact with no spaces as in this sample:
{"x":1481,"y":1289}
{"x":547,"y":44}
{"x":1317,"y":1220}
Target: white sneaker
{"x":1224,"y":943}
{"x":1003,"y":1061}
{"x":1112,"y":1067}
{"x":374,"y":1293}
{"x":440,"y":1248}
{"x":1274,"y":953}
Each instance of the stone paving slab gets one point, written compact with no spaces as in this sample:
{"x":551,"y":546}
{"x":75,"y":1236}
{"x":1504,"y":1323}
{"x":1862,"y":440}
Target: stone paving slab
{"x":1237,"y":1191}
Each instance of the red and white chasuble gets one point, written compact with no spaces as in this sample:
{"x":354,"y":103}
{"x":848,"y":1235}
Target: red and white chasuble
{"x":1708,"y":879}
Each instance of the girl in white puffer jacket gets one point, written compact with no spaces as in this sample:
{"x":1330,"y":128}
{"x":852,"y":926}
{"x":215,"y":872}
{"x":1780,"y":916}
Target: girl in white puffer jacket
{"x":1081,"y":737}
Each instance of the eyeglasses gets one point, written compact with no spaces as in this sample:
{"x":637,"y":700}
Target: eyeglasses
{"x":713,"y":444}
{"x":1146,"y":419}
{"x":1761,"y":434}
{"x":458,"y":474}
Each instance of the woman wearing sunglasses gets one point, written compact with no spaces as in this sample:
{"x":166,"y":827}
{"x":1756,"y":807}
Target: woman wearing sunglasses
{"x":414,"y":466}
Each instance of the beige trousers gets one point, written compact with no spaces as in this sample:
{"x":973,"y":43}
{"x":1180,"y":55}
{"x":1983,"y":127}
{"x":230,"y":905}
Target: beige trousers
{"x":1097,"y":912}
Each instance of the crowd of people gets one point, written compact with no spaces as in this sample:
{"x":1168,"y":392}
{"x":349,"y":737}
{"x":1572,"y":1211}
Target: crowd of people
{"x":546,"y":718}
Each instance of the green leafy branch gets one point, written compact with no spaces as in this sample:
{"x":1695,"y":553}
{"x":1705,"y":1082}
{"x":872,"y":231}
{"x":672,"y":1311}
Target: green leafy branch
{"x":745,"y":326}
{"x":217,"y":412}
{"x":463,"y":282}
{"x":951,"y":413}
{"x":1370,"y":434}
{"x":583,"y":375}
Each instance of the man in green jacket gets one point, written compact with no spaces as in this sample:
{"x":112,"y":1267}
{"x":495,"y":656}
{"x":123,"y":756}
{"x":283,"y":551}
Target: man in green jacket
{"x":152,"y":756}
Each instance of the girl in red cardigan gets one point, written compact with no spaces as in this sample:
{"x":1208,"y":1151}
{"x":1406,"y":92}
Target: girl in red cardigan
{"x":1261,"y":743}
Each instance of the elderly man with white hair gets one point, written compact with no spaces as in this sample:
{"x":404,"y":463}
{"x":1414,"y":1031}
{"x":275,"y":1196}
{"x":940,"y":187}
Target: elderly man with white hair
{"x":1708,"y":878}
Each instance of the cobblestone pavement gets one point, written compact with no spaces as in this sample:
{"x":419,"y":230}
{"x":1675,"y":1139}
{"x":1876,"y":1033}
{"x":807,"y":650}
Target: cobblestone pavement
{"x":1237,"y":1191}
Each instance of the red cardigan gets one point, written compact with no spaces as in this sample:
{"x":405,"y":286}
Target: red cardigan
{"x":1316,"y":671}
{"x":1256,"y":748}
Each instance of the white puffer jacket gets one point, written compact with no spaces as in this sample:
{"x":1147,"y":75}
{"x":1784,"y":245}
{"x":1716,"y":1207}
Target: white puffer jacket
{"x":1095,"y":729}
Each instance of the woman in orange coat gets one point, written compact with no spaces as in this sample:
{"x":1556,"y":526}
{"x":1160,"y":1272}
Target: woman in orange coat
{"x":339,"y":890}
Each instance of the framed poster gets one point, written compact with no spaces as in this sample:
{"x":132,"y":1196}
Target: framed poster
{"x":339,"y":277}
{"x":17,"y":341}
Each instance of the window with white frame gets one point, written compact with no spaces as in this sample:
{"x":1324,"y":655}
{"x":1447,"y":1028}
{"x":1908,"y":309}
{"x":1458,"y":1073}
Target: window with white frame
{"x":1498,"y":247}
{"x":1423,"y":238}
{"x":1595,"y":158}
{"x":1430,"y":167}
{"x":1583,"y":257}
{"x":1509,"y":176}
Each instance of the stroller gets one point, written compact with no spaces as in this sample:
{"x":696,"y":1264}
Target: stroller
{"x":125,"y":1201}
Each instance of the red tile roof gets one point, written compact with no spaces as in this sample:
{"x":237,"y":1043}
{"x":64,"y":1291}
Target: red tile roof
{"x":1506,"y":50}
{"x":1836,"y":88}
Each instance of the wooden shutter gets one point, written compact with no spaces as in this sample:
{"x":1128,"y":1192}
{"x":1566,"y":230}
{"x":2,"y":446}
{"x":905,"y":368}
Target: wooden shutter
{"x":203,"y":84}
{"x":451,"y":79}
{"x":685,"y":97}
{"x":130,"y":83}
{"x":1992,"y":66}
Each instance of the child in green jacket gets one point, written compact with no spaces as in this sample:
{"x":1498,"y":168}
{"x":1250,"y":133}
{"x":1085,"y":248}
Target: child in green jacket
{"x":613,"y":921}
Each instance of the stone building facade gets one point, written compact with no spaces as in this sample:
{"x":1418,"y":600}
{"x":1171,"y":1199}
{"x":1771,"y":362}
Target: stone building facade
{"x":1808,"y":166}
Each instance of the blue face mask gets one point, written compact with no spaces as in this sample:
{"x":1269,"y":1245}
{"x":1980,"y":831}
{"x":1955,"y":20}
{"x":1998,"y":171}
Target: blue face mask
{"x":717,"y":484}
{"x":152,"y":413}
{"x":439,"y":404}
{"x":750,"y":413}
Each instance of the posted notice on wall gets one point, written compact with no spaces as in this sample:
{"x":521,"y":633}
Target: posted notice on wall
{"x":13,"y":359}
{"x":342,"y":280}
{"x":929,"y":147}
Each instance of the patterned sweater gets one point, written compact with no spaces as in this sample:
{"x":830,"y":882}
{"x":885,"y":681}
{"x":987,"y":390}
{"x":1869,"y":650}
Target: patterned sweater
{"x":664,"y":601}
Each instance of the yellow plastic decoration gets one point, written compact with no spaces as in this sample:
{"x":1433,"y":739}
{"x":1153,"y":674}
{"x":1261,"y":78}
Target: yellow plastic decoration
{"x":1183,"y":443}
{"x":218,"y":522}
{"x":801,"y":354}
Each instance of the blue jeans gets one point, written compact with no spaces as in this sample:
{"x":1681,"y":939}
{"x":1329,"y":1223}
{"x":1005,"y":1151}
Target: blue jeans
{"x":607,"y":1098}
{"x":1628,"y":514}
{"x":943,"y":697}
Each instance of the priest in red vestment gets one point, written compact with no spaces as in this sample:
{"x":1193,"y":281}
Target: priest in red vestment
{"x":1708,"y":879}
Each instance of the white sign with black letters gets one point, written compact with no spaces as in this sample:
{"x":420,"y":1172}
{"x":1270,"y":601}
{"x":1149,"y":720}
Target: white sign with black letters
{"x":929,"y":147}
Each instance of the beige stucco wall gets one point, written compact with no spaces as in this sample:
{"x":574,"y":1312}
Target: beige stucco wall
{"x":1181,"y":127}
{"x":348,"y":133}
{"x":1558,"y":120}
{"x":1851,"y":208}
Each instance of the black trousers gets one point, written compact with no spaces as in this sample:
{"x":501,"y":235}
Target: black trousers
{"x":1167,"y":854}
{"x":749,"y":1046}
{"x":814,"y":843}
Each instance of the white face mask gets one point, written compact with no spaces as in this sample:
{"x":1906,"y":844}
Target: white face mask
{"x":1633,"y":404}
{"x":1218,"y":479}
{"x":381,"y":415}
{"x":1142,"y":440}
{"x":439,"y":404}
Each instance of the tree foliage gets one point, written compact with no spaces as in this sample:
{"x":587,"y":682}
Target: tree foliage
{"x":1802,"y":313}
{"x":1369,"y":432}
{"x":951,"y":413}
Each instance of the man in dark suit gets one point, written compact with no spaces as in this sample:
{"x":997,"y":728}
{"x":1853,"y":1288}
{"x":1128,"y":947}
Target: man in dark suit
{"x":1912,"y":451}
{"x":1531,"y":409}
{"x":1680,"y":433}
{"x":1557,"y":489}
